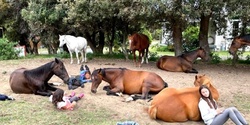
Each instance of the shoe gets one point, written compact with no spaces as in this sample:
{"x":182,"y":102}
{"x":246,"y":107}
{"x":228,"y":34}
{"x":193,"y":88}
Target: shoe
{"x":10,"y":98}
{"x":81,"y":95}
{"x":72,"y":94}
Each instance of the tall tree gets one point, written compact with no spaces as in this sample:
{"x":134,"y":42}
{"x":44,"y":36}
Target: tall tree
{"x":44,"y":18}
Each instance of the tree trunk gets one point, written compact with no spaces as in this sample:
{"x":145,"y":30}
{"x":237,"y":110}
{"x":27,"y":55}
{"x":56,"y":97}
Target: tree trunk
{"x":203,"y":35}
{"x":177,"y":36}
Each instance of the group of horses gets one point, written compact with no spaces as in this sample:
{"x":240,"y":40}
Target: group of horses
{"x":169,"y":104}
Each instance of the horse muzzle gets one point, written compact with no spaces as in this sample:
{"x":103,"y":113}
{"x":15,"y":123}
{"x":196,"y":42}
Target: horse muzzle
{"x":93,"y":90}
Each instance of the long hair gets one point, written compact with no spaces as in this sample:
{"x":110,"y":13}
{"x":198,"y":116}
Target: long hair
{"x":209,"y":98}
{"x":57,"y":96}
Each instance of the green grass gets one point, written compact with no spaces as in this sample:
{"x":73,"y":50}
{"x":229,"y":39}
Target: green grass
{"x":40,"y":112}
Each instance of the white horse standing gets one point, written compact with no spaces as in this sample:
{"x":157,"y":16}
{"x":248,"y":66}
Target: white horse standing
{"x":74,"y":44}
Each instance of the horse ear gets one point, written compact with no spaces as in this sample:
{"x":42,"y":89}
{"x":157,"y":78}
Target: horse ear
{"x":56,"y":60}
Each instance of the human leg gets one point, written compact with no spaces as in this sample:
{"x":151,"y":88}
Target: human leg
{"x":223,"y":117}
{"x":74,"y":98}
{"x":239,"y":115}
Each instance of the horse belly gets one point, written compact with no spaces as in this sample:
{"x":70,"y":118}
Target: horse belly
{"x":174,"y":107}
{"x":18,"y":83}
{"x":171,"y":64}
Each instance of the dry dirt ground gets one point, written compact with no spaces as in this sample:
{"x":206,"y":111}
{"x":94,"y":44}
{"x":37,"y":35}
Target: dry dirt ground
{"x":233,"y":84}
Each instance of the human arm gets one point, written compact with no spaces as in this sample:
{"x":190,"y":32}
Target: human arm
{"x":69,"y":106}
{"x":206,"y":112}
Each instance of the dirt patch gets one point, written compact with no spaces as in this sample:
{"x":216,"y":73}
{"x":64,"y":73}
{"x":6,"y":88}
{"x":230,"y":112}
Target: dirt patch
{"x":233,"y":84}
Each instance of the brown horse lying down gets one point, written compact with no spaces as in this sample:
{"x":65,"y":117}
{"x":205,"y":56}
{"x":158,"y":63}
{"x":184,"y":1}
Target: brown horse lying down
{"x":179,"y":105}
{"x":35,"y":81}
{"x":127,"y":81}
{"x":182,"y":63}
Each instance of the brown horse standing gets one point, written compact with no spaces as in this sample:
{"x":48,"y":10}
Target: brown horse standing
{"x":35,"y":81}
{"x":139,"y":42}
{"x":127,"y":81}
{"x":180,"y":105}
{"x":239,"y":42}
{"x":182,"y":63}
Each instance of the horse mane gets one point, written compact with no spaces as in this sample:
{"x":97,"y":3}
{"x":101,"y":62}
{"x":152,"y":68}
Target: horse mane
{"x":246,"y":38}
{"x":103,"y":73}
{"x":34,"y":73}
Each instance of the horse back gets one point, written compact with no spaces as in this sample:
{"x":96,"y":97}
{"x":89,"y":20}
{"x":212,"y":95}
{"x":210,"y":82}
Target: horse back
{"x":170,"y":63}
{"x":134,"y":85}
{"x":18,"y":82}
{"x":140,"y":41}
{"x":78,"y":43}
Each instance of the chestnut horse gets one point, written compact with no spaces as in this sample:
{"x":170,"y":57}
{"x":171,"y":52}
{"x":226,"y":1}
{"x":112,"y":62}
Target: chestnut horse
{"x":35,"y":81}
{"x":182,"y":63}
{"x":127,"y":81}
{"x":180,"y":105}
{"x":239,"y":42}
{"x":139,"y":42}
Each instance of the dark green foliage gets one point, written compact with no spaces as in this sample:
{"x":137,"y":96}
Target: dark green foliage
{"x":153,"y":56}
{"x":215,"y":58}
{"x":7,"y":50}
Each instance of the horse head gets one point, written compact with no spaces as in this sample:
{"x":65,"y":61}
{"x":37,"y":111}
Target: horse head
{"x":205,"y":80}
{"x":96,"y":78}
{"x":202,"y":80}
{"x":62,"y":40}
{"x":235,"y":45}
{"x":202,"y":54}
{"x":60,"y":70}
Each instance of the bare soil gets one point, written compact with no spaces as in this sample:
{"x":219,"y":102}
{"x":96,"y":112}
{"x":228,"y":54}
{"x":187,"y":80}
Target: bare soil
{"x":233,"y":84}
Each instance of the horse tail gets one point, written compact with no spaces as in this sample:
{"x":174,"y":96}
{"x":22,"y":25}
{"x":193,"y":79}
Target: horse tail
{"x":152,"y":111}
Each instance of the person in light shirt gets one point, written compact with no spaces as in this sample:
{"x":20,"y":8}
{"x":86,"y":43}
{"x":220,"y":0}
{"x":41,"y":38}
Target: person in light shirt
{"x":212,"y":114}
{"x":61,"y":101}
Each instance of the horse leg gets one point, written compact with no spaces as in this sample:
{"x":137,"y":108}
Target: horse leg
{"x":133,"y":51}
{"x":114,"y":91}
{"x":146,"y":55}
{"x":83,"y":60}
{"x":191,"y":71}
{"x":71,"y":58}
{"x":142,"y":56}
{"x":78,"y":61}
{"x":49,"y":87}
{"x":42,"y":91}
{"x":85,"y":55}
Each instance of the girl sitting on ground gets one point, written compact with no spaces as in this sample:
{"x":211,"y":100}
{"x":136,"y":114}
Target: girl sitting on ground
{"x":61,"y":101}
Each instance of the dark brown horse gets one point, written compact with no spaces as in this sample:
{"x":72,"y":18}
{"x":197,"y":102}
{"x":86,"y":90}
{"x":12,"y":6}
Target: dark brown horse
{"x":182,"y":63}
{"x":180,"y":105}
{"x":127,"y":81}
{"x":139,"y":42}
{"x":35,"y":81}
{"x":239,"y":42}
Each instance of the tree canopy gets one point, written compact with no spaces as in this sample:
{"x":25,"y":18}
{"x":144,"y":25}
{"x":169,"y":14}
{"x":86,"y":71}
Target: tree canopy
{"x":109,"y":22}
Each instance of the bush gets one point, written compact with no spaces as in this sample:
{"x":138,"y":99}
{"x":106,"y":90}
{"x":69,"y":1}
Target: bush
{"x":7,"y":50}
{"x":215,"y":58}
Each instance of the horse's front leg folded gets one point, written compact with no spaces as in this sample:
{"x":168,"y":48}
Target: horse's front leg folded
{"x":49,"y":87}
{"x":43,"y":93}
{"x":114,"y":91}
{"x":191,"y":71}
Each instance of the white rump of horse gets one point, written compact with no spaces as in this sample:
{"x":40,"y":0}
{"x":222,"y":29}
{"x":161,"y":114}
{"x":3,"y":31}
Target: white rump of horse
{"x":74,"y":44}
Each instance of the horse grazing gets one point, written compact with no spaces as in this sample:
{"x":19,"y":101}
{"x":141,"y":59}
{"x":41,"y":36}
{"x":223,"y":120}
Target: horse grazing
{"x":35,"y":81}
{"x":181,"y":63}
{"x":239,"y":42}
{"x":180,"y":105}
{"x":139,"y":42}
{"x":127,"y":81}
{"x":74,"y":44}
